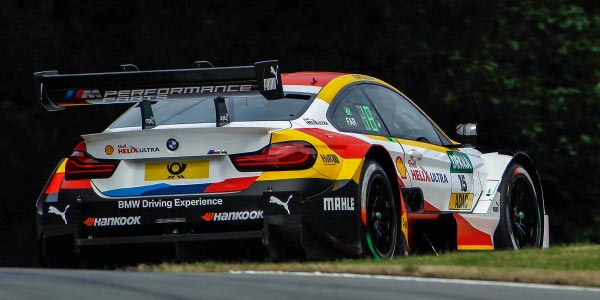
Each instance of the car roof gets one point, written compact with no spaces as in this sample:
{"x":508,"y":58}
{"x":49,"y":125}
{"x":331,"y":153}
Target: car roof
{"x":309,"y":78}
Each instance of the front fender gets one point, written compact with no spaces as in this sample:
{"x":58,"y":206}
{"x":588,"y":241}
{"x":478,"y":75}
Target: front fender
{"x":497,"y":163}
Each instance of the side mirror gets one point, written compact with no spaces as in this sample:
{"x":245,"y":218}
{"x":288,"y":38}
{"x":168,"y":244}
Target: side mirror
{"x":467,"y":129}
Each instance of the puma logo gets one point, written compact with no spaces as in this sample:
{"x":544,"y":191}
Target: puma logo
{"x":54,"y":210}
{"x":275,"y":200}
{"x":274,"y":72}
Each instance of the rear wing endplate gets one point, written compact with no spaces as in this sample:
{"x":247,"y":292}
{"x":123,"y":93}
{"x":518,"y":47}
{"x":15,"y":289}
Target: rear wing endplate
{"x":57,"y":91}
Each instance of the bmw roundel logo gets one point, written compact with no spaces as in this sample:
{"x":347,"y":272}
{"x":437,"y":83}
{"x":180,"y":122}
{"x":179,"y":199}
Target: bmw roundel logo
{"x":172,"y":144}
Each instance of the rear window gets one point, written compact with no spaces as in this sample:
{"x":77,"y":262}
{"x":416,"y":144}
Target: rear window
{"x":240,"y":109}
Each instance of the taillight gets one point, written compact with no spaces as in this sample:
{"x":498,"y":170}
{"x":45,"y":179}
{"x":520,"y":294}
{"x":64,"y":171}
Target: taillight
{"x":277,"y":157}
{"x":81,"y":165}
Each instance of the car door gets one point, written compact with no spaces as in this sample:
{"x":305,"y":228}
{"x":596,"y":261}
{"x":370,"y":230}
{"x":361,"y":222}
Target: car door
{"x":353,"y":113}
{"x":445,"y":185}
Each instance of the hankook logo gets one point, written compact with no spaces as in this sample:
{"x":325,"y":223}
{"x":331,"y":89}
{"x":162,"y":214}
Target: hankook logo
{"x":112,"y":221}
{"x":232,"y":216}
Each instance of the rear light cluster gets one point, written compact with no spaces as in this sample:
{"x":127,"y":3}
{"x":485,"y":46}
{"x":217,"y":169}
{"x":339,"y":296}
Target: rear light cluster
{"x":81,"y":165}
{"x":277,"y":157}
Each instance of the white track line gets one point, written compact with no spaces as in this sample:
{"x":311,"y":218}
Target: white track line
{"x":424,"y":279}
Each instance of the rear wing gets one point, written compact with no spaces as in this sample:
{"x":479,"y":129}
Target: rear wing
{"x":57,"y":91}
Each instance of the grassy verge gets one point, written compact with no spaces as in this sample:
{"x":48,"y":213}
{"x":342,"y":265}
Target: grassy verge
{"x":568,"y":265}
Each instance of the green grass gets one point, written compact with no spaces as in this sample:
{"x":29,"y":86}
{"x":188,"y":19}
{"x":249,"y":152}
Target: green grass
{"x":571,"y":265}
{"x":578,"y":257}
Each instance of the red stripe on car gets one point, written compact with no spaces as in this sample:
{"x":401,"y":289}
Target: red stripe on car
{"x":231,"y":185}
{"x":343,"y":145}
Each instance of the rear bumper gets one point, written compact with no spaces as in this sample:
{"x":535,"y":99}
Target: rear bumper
{"x":302,"y":228}
{"x":202,"y":237}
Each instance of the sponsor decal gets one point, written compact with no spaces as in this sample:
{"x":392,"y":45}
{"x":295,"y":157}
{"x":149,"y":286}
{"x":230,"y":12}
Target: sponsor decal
{"x":400,"y":167}
{"x":168,"y":203}
{"x":423,"y":175}
{"x":367,"y":118}
{"x":351,"y":122}
{"x":347,"y":111}
{"x":271,"y":83}
{"x":112,"y":221}
{"x":232,"y":216}
{"x":109,"y":150}
{"x":412,"y":163}
{"x":338,"y":204}
{"x":463,"y":183}
{"x":489,"y":190}
{"x":418,"y":173}
{"x":275,"y":200}
{"x":310,"y":121}
{"x":150,"y":94}
{"x":150,"y":121}
{"x":170,"y":220}
{"x":217,"y":152}
{"x":125,"y":149}
{"x":172,"y":144}
{"x":460,"y":162}
{"x":177,"y":170}
{"x":330,"y":159}
{"x":362,"y":77}
{"x":54,"y":210}
{"x":83,"y":94}
{"x":224,"y":118}
{"x":461,"y":201}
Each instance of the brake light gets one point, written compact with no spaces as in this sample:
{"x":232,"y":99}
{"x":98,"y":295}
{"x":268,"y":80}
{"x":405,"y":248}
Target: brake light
{"x":81,"y":165}
{"x":277,"y":157}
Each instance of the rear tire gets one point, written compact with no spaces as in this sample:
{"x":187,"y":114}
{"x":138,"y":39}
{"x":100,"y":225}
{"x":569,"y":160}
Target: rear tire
{"x":379,"y":214}
{"x":521,"y":221}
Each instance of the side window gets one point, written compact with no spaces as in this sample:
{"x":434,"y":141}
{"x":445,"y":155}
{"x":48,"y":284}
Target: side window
{"x":401,"y":117}
{"x":354,"y":113}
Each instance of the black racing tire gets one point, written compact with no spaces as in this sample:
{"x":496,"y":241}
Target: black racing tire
{"x":379,"y":213}
{"x":521,"y":222}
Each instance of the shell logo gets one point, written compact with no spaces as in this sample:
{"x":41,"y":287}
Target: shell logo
{"x":109,"y":149}
{"x":400,"y":166}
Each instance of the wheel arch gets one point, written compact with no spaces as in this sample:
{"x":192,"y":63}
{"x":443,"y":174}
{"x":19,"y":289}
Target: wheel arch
{"x":526,"y":161}
{"x":383,"y":158}
{"x":498,"y":163}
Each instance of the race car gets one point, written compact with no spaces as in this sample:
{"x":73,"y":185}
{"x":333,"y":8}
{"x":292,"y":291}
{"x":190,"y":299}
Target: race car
{"x":313,"y":165}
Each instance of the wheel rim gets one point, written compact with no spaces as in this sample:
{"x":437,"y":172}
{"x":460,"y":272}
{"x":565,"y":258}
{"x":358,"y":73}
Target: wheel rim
{"x":523,"y":213}
{"x":381,"y":218}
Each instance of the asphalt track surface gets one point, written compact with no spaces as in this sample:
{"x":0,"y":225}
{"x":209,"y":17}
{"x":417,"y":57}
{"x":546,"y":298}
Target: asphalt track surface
{"x":52,"y":284}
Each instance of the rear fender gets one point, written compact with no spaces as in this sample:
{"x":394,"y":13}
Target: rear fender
{"x":379,"y":154}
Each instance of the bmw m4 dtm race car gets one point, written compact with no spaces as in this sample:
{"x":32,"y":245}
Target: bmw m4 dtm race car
{"x":314,"y":165}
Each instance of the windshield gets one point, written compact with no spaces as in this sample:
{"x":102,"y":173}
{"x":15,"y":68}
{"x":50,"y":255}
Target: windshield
{"x":251,"y":108}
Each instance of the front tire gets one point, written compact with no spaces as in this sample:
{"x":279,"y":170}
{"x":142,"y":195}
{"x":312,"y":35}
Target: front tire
{"x":521,"y":221}
{"x":379,"y":214}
